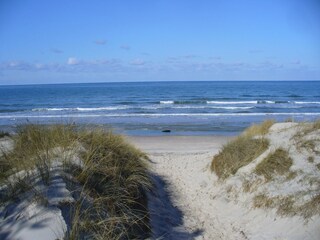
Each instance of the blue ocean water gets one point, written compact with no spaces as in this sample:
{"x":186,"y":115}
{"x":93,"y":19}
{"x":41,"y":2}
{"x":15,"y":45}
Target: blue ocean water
{"x":196,"y":108}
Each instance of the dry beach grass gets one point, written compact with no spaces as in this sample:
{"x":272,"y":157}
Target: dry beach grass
{"x":107,"y":176}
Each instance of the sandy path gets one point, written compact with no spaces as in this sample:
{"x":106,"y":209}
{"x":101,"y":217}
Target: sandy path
{"x":183,"y":209}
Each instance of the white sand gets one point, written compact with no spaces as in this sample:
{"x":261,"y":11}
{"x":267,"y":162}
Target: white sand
{"x":190,"y":202}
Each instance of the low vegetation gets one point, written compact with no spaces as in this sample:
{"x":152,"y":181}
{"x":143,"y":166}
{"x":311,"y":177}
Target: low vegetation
{"x":258,"y":129}
{"x":287,"y":182}
{"x":116,"y":177}
{"x":236,"y":154}
{"x":276,"y":163}
{"x":108,"y":178}
{"x":286,"y":205}
{"x":242,"y":150}
{"x":306,"y":128}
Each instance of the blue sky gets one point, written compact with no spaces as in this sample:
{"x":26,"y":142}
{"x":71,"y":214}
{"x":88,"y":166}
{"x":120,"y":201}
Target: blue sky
{"x":158,"y":40}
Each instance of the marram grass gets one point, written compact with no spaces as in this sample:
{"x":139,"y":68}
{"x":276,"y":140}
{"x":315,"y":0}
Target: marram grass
{"x":113,"y":177}
{"x":236,"y":154}
{"x":242,"y":150}
{"x":258,"y":129}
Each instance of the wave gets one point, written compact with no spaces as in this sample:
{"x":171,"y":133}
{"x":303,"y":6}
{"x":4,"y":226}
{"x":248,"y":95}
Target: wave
{"x":166,"y":102}
{"x":79,"y":109}
{"x":307,"y":102}
{"x":178,"y":105}
{"x":206,"y":102}
{"x":160,"y":115}
{"x":239,"y":102}
{"x":210,"y":107}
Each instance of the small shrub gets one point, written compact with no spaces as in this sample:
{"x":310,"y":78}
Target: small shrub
{"x":278,"y":162}
{"x":236,"y":154}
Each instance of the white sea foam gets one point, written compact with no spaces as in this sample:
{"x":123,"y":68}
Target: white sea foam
{"x":166,"y":102}
{"x":159,"y":115}
{"x":49,"y":109}
{"x":103,"y":108}
{"x":80,"y":109}
{"x":307,"y":102}
{"x":210,"y":107}
{"x":238,"y":102}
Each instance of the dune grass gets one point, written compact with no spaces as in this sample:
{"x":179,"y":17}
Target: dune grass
{"x":242,"y":150}
{"x":236,"y":154}
{"x":276,"y":163}
{"x":315,"y":125}
{"x":113,"y":172}
{"x":306,"y":128}
{"x":258,"y":129}
{"x":286,"y":205}
{"x":113,"y":177}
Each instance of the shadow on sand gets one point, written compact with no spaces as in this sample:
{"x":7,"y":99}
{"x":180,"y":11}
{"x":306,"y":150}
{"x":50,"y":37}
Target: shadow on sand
{"x":165,"y":218}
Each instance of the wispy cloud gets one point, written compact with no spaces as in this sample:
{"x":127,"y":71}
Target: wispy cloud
{"x":125,"y":47}
{"x":56,"y":50}
{"x":215,"y":58}
{"x":100,"y":42}
{"x":137,"y":62}
{"x":296,"y":62}
{"x":181,"y":67}
{"x":73,"y":61}
{"x":189,"y":56}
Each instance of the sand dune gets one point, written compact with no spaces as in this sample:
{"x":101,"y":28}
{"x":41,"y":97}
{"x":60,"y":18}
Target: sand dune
{"x":206,"y":208}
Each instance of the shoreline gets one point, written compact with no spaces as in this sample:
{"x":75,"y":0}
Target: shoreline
{"x":177,"y":143}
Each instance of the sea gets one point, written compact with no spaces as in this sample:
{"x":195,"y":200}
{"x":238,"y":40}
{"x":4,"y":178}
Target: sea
{"x":149,"y":108}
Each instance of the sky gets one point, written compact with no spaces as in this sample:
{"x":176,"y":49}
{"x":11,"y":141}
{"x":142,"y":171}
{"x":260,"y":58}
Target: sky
{"x":158,"y":40}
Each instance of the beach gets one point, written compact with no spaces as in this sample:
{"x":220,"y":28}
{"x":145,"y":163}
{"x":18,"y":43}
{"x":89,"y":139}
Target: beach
{"x":185,"y":197}
{"x":183,"y":163}
{"x":199,"y":206}
{"x":160,"y":120}
{"x":200,"y":188}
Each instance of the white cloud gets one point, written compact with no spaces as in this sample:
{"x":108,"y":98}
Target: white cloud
{"x":73,"y":61}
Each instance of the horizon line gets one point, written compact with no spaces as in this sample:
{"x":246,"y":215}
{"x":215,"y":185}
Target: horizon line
{"x":158,"y":81}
